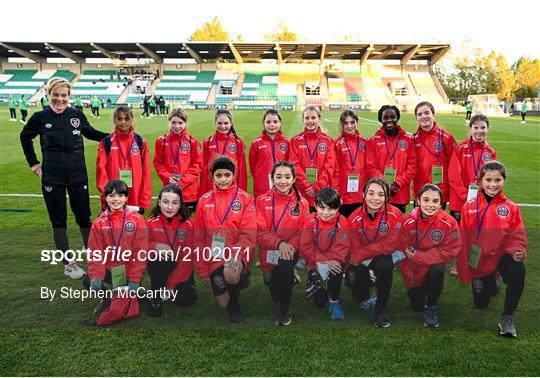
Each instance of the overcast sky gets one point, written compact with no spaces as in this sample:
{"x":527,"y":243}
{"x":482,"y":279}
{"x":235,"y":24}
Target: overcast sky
{"x":510,"y":27}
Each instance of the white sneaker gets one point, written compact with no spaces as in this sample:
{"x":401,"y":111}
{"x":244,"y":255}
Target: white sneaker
{"x":24,"y":123}
{"x":74,"y":271}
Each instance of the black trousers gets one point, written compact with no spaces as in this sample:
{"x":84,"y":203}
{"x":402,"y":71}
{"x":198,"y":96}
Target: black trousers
{"x":79,"y":201}
{"x":320,"y":298}
{"x":159,"y":272}
{"x":348,"y":209}
{"x":12,"y":113}
{"x":429,"y":292}
{"x":513,"y":274}
{"x":24,"y":113}
{"x":95,"y":111}
{"x":280,"y":281}
{"x":359,"y":280}
{"x":145,"y":112}
{"x":468,"y":116}
{"x":523,"y":114}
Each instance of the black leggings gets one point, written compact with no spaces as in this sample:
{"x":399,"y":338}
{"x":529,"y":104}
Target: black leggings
{"x":24,"y":113}
{"x":321,"y":296}
{"x":280,"y":281}
{"x":429,"y":292}
{"x":359,"y":280}
{"x":513,"y":274}
{"x":12,"y":113}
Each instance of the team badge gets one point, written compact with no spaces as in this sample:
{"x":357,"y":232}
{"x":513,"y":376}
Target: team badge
{"x":436,"y":235}
{"x":323,"y":147}
{"x":503,"y":211}
{"x":129,"y":227}
{"x":232,"y":147}
{"x":362,"y":146}
{"x":218,"y":280}
{"x":283,"y":147}
{"x":486,"y":156}
{"x":295,"y":211}
{"x":185,"y":147}
{"x":236,"y":206}
{"x":48,"y":125}
{"x":384,"y":227}
{"x":135,"y":148}
{"x":403,"y":144}
{"x":181,"y":234}
{"x":75,"y":122}
{"x":438,"y":145}
{"x":48,"y":189}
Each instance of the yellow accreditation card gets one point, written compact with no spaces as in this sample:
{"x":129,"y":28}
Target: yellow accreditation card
{"x":437,"y":174}
{"x":473,"y":191}
{"x":353,"y":182}
{"x":475,"y":256}
{"x":311,"y":174}
{"x":389,"y":174}
{"x":218,"y":246}
{"x":272,"y":256}
{"x":126,"y":175}
{"x":118,"y":274}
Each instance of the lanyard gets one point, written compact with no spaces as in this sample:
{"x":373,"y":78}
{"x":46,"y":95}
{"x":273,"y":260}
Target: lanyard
{"x":480,"y":222}
{"x":317,"y":234}
{"x":438,"y":143}
{"x":274,"y":224}
{"x":476,"y":166}
{"x":171,"y":242}
{"x":391,"y":155}
{"x":311,"y":155}
{"x":125,"y":157}
{"x":376,"y":232}
{"x":353,"y":161}
{"x":175,"y":158}
{"x":418,"y":242}
{"x":273,"y":151}
{"x":228,"y":210}
{"x":115,"y":243}
{"x":225,"y":146}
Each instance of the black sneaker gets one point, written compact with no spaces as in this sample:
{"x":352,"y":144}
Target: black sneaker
{"x":102,"y":306}
{"x":235,"y":313}
{"x":506,"y":326}
{"x":155,"y":307}
{"x":430,"y":317}
{"x":283,"y":316}
{"x":381,"y":319}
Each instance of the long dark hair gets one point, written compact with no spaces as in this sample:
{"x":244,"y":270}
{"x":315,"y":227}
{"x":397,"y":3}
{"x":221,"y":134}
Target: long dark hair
{"x":288,"y":164}
{"x":183,"y":212}
{"x":386,"y":189}
{"x":228,"y":114}
{"x":114,"y":186}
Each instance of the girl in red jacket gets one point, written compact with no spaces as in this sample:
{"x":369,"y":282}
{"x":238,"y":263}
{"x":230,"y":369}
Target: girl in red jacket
{"x":117,"y":245}
{"x":375,"y":235}
{"x":494,"y":240}
{"x":223,"y":142}
{"x":429,"y":238}
{"x":269,"y":148}
{"x":124,"y":155}
{"x":170,"y":234}
{"x":225,"y":222}
{"x":312,"y":153}
{"x":281,"y":214}
{"x":325,"y":245}
{"x":178,"y":158}
{"x":434,"y":148}
{"x":349,"y":172}
{"x":465,"y":165}
{"x":390,"y":154}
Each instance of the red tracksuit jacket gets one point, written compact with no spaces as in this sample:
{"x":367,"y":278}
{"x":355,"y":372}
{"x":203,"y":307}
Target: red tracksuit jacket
{"x":239,"y":227}
{"x":263,"y":153}
{"x":321,"y":146}
{"x":133,"y":236}
{"x":465,"y":169}
{"x":330,"y":243}
{"x":180,"y":235}
{"x":125,"y":154}
{"x":349,"y":148}
{"x":502,"y":231}
{"x":289,"y":216}
{"x":370,"y":238}
{"x":438,"y":242}
{"x":180,"y":154}
{"x":228,"y":145}
{"x":380,"y":148}
{"x":432,"y":148}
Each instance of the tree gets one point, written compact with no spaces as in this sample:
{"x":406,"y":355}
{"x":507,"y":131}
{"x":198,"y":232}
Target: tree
{"x":210,"y":32}
{"x":527,"y":72}
{"x":281,"y":33}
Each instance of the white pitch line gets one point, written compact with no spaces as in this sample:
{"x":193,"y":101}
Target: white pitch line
{"x":33,"y":195}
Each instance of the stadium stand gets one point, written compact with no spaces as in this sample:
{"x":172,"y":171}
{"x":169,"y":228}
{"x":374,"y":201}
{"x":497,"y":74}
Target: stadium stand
{"x":27,"y":82}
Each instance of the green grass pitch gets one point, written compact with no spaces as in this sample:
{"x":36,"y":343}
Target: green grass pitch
{"x":39,"y":337}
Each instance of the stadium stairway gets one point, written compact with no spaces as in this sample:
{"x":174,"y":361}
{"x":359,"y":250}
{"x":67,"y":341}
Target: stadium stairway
{"x":122,"y":99}
{"x":237,"y":89}
{"x":211,"y":100}
{"x":300,"y":96}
